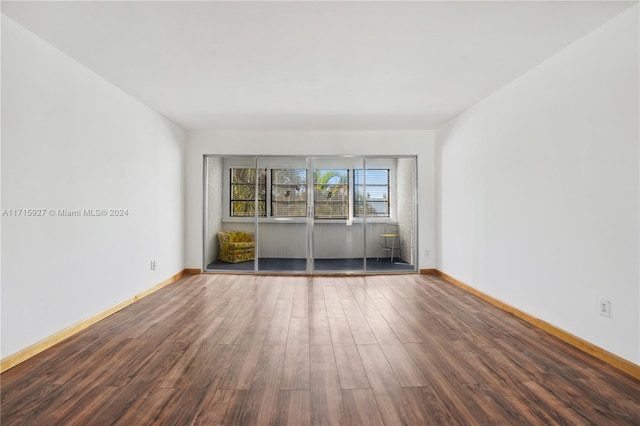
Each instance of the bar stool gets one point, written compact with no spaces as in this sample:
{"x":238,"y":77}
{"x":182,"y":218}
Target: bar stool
{"x":390,"y":241}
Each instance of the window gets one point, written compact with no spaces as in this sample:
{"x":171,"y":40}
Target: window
{"x":331,"y":193}
{"x":335,"y":195}
{"x":376,"y":199}
{"x":243,"y":192}
{"x":289,"y":192}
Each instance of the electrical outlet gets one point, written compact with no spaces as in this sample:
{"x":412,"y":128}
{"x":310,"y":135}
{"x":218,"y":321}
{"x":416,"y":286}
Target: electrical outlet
{"x":426,"y":252}
{"x":605,"y":308}
{"x":153,"y":265}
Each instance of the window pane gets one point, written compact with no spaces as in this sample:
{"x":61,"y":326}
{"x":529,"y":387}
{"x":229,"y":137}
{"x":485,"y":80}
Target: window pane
{"x":376,"y":198}
{"x":289,"y":192}
{"x":331,"y":193}
{"x":245,"y":208}
{"x":243,"y":192}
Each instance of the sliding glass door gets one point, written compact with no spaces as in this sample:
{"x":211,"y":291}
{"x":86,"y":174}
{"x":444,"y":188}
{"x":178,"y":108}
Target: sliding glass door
{"x":321,"y":214}
{"x":282,"y":227}
{"x":338,"y":240}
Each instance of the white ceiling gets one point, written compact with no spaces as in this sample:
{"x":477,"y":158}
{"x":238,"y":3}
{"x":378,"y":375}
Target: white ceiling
{"x":311,"y":65}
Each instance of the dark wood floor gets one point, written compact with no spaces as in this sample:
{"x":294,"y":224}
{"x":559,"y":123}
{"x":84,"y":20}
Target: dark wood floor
{"x":393,"y":350}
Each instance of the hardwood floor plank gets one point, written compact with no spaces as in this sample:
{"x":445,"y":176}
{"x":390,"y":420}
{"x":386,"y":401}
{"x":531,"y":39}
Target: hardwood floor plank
{"x":608,"y":399}
{"x":212,"y":331}
{"x":279,"y":325}
{"x":254,"y":331}
{"x":300,"y":307}
{"x":294,"y":408}
{"x":242,"y":368}
{"x":268,"y":298}
{"x":223,"y":408}
{"x":122,"y":407}
{"x":261,"y":401}
{"x":368,"y":307}
{"x":383,"y":287}
{"x":35,"y":401}
{"x":385,"y":386}
{"x":370,"y":288}
{"x":403,"y":366}
{"x":161,"y":364}
{"x":213,"y":361}
{"x":182,"y":405}
{"x":332,"y":302}
{"x":554,"y":408}
{"x":295,"y":373}
{"x":406,"y":332}
{"x":73,"y":351}
{"x":135,"y":354}
{"x":327,"y":407}
{"x":288,"y":288}
{"x":342,"y":288}
{"x":340,"y":331}
{"x":496,"y":403}
{"x":473,"y":371}
{"x":404,"y":286}
{"x":447,"y":389}
{"x":429,"y":409}
{"x":249,"y":308}
{"x":404,"y":305}
{"x":245,"y":357}
{"x":90,"y":367}
{"x":350,"y":369}
{"x":146,"y":410}
{"x":360,"y":408}
{"x":298,"y":332}
{"x":316,"y":289}
{"x":360,"y":330}
{"x":84,"y":409}
{"x":231,"y":307}
{"x":319,"y":333}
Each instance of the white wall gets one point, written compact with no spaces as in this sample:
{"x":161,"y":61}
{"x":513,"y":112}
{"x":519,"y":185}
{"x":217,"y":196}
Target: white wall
{"x":71,"y":140}
{"x":539,"y":190}
{"x":419,"y":143}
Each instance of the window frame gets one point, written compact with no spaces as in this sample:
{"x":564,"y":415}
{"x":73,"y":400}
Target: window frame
{"x":271,"y":171}
{"x":331,"y":190}
{"x":249,"y":162}
{"x":257,"y":185}
{"x":367,"y":200}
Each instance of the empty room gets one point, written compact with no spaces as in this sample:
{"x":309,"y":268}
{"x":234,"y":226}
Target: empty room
{"x":320,"y":212}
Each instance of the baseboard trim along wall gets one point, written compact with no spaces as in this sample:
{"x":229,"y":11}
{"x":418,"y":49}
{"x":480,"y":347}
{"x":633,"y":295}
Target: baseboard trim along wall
{"x":36,"y":348}
{"x":593,"y":350}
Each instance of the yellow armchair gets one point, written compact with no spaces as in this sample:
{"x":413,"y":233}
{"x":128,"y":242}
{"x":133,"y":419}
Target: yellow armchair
{"x":236,"y":246}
